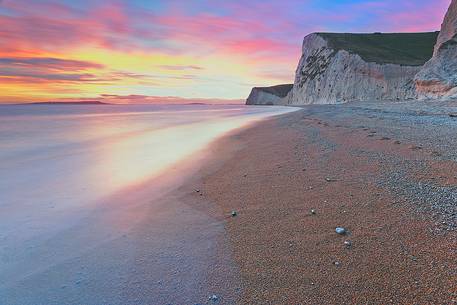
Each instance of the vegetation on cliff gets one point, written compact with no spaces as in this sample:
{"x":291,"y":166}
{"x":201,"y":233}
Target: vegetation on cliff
{"x":409,"y":49}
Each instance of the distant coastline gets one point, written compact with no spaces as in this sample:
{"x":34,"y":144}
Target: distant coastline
{"x":69,"y":103}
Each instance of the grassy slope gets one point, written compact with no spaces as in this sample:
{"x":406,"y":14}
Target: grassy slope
{"x":410,"y":49}
{"x":279,"y":90}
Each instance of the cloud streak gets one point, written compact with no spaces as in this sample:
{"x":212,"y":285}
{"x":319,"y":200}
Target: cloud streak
{"x":179,"y":68}
{"x":46,"y":69}
{"x":55,"y":64}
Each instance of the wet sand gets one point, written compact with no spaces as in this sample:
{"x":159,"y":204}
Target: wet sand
{"x":130,"y":251}
{"x":379,"y":174}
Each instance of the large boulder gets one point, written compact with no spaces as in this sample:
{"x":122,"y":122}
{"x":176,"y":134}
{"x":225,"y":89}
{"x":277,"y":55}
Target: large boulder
{"x":438,"y":77}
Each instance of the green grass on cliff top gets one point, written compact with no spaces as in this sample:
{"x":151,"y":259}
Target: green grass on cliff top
{"x":278,"y":90}
{"x":409,"y":49}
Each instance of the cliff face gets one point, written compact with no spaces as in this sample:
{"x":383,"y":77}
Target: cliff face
{"x":438,"y":77}
{"x":338,"y":68}
{"x":275,"y":95}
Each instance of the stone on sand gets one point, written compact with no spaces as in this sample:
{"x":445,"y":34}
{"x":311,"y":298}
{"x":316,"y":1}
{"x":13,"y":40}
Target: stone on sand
{"x":340,"y":230}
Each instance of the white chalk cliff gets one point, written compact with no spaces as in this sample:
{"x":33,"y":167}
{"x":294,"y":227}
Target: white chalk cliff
{"x":438,"y":77}
{"x":275,"y":95}
{"x":338,"y":68}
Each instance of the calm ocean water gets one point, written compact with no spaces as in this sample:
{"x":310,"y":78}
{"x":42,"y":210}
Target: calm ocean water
{"x":68,"y":155}
{"x":58,"y":161}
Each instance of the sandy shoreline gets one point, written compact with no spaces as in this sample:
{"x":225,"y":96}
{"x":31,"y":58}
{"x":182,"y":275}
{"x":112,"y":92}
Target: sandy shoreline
{"x":403,"y":248}
{"x":149,"y":244}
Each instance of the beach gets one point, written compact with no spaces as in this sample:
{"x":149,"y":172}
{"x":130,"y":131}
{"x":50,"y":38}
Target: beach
{"x":383,"y":172}
{"x":386,"y":173}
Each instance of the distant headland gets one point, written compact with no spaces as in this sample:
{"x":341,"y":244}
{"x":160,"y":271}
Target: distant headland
{"x":70,"y":103}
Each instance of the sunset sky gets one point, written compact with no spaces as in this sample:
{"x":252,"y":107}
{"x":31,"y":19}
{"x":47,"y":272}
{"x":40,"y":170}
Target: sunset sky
{"x":142,"y":51}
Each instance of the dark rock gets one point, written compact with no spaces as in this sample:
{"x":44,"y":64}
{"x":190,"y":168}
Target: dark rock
{"x":414,"y":147}
{"x":213,"y":298}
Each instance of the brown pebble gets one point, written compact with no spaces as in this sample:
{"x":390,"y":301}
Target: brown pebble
{"x":414,"y":147}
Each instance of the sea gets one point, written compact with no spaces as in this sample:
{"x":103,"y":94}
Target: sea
{"x":61,"y":166}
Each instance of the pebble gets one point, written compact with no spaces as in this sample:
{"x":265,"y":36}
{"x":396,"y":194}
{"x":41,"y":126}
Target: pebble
{"x":337,"y":264}
{"x":340,"y":230}
{"x":213,"y":298}
{"x":313,"y":211}
{"x":234,"y":213}
{"x":329,"y":179}
{"x":347,"y":243}
{"x":414,"y":147}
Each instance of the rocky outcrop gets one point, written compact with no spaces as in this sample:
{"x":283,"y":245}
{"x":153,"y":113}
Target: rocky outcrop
{"x":338,"y":68}
{"x":275,"y":95}
{"x":438,"y":77}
